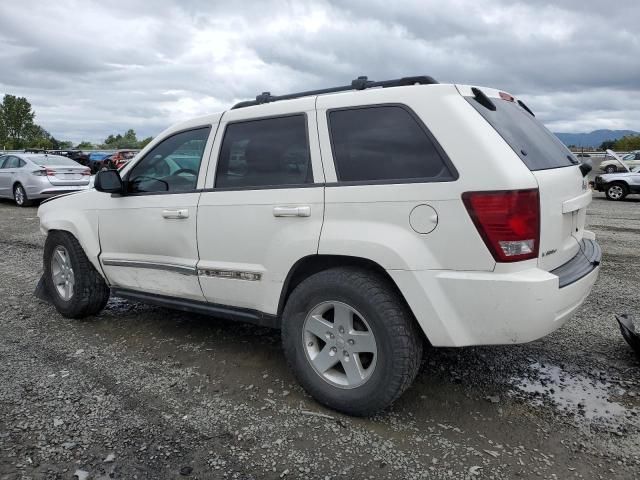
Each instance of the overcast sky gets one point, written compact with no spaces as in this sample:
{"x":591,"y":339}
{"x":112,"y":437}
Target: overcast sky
{"x":94,"y":68}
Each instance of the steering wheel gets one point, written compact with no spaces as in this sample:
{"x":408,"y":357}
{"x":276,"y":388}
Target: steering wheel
{"x":185,"y":170}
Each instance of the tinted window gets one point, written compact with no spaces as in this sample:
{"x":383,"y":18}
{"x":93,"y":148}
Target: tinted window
{"x":172,"y":165}
{"x":12,"y":162}
{"x":383,"y":143}
{"x":536,"y":146}
{"x":269,"y":152}
{"x":2,"y":160}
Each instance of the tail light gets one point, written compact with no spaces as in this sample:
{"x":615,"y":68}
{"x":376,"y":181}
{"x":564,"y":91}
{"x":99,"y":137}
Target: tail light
{"x":86,"y":172}
{"x":45,"y":172}
{"x":508,"y":222}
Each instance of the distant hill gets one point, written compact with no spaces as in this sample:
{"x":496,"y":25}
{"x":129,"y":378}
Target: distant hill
{"x":593,"y":139}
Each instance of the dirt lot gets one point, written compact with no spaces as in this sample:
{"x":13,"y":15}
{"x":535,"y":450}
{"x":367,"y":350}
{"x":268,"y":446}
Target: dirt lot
{"x":144,"y":392}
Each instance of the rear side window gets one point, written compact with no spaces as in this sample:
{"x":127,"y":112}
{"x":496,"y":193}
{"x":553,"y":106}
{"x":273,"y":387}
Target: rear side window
{"x":12,"y":162}
{"x":536,"y":146}
{"x":266,"y":152}
{"x":384,"y":144}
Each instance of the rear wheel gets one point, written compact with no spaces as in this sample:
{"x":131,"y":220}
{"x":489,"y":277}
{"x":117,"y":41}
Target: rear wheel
{"x":351,"y":340}
{"x":76,"y":289}
{"x":617,"y":191}
{"x":20,"y":196}
{"x":611,"y":169}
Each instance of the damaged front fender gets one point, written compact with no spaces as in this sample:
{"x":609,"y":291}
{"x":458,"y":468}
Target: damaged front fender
{"x":629,"y":332}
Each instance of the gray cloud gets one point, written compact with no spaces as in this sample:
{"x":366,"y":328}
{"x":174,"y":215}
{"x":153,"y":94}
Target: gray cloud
{"x":93,"y":68}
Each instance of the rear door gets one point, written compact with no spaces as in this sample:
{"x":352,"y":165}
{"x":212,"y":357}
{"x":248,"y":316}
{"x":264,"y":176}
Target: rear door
{"x":8,"y":175}
{"x":263,"y":205}
{"x":564,"y":193}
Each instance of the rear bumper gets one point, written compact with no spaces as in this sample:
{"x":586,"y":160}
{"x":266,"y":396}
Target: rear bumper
{"x":457,"y":308}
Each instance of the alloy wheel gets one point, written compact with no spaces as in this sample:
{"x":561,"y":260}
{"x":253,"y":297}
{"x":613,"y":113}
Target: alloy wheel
{"x":19,"y":194}
{"x":62,"y":273}
{"x":615,"y":192}
{"x":339,"y":344}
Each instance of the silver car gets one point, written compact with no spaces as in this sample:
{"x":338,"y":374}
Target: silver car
{"x":617,"y":186}
{"x":26,"y":176}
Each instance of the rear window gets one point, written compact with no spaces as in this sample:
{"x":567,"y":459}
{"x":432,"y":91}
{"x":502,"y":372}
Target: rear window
{"x":536,"y":146}
{"x":53,"y":160}
{"x":384,"y":144}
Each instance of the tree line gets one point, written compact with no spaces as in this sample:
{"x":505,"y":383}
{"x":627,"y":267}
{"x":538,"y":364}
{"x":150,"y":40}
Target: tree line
{"x":624,"y":144}
{"x":18,"y":130}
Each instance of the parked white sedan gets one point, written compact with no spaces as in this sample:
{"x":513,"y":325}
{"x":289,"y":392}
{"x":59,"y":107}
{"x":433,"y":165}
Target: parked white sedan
{"x":27,"y":177}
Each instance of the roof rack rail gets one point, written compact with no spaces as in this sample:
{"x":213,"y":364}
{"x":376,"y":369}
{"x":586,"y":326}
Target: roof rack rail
{"x":360,"y":83}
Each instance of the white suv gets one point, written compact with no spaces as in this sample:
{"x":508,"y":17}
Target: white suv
{"x":364,"y":221}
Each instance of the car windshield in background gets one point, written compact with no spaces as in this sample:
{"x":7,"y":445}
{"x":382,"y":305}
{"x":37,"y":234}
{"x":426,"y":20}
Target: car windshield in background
{"x":536,"y":146}
{"x":53,"y":160}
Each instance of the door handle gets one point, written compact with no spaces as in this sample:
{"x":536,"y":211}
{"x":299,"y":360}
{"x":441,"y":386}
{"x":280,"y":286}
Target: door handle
{"x":302,"y":211}
{"x":181,"y":213}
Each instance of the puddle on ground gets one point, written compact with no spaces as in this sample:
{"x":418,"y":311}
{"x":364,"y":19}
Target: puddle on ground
{"x":574,"y":394}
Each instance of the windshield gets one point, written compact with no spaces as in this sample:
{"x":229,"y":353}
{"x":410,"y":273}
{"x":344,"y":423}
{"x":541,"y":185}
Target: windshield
{"x":536,"y":146}
{"x":53,"y":160}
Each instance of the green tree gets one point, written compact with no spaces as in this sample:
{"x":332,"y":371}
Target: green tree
{"x":128,"y":140}
{"x":84,"y":145}
{"x":607,"y":145}
{"x":144,"y":142}
{"x":627,"y":143}
{"x":17,"y":119}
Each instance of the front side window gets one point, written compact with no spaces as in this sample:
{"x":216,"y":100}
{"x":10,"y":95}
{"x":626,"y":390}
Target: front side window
{"x":172,"y":165}
{"x":266,"y":152}
{"x":384,"y":144}
{"x":3,"y":159}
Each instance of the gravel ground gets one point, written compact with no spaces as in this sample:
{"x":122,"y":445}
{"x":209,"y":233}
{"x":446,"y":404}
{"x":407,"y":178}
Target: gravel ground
{"x":145,"y":392}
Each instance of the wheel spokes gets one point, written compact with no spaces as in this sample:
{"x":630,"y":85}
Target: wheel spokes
{"x":353,"y":369}
{"x":57,"y":278}
{"x":325,"y":359}
{"x":318,"y":326}
{"x":363,"y":342}
{"x":60,"y":258}
{"x":343,"y":317}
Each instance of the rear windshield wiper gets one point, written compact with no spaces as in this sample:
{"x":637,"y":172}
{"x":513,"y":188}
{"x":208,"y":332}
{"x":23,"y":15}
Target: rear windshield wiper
{"x":482,"y":99}
{"x":523,"y":105}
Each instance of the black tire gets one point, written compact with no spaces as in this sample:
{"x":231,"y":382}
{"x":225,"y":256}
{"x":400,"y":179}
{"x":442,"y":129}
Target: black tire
{"x":20,"y":196}
{"x":616,"y":191}
{"x":396,"y":333}
{"x":90,"y":292}
{"x":611,"y":169}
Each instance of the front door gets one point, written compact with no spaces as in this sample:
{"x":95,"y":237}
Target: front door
{"x":263,"y":206}
{"x":148,"y":235}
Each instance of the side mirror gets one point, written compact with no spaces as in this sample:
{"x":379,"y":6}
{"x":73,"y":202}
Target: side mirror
{"x":586,"y":167}
{"x":109,"y":181}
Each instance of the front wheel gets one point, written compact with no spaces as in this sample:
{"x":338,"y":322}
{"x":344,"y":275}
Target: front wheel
{"x":351,"y":340}
{"x":611,"y":169}
{"x":76,"y":289}
{"x":617,"y":191}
